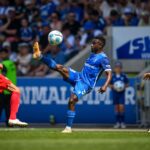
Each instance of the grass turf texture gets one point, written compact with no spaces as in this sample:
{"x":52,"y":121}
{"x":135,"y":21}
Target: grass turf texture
{"x":52,"y":139}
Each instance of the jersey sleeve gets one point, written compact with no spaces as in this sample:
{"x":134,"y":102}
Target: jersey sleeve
{"x":105,"y":64}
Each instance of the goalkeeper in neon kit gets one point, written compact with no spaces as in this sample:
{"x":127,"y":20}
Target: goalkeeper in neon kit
{"x":84,"y":81}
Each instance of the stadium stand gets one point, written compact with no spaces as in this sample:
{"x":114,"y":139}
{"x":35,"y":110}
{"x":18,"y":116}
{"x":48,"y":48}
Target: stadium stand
{"x":24,"y":21}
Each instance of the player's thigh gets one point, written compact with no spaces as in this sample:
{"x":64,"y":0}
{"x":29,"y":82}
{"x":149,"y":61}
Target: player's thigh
{"x":115,"y":100}
{"x":62,"y":70}
{"x":73,"y":77}
{"x":121,"y":102}
{"x":4,"y":82}
{"x":121,"y":107}
{"x":81,"y":89}
{"x":116,"y":107}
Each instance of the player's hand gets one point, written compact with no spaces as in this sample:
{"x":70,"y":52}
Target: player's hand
{"x":102,"y":89}
{"x":146,"y":76}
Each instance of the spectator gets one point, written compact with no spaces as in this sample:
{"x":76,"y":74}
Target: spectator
{"x":123,"y":4}
{"x":88,"y":33}
{"x":115,"y":19}
{"x":12,"y":55}
{"x":77,"y":9}
{"x":145,"y":19}
{"x":43,"y":38}
{"x":2,"y":40}
{"x":5,"y":25}
{"x":56,"y":23}
{"x":129,"y":18}
{"x":12,"y":30}
{"x":47,"y":8}
{"x":23,"y":59}
{"x":72,"y":24}
{"x":26,"y":33}
{"x":106,"y":7}
{"x":20,"y":9}
{"x":63,"y":9}
{"x":68,"y":45}
{"x":31,"y":12}
{"x":3,"y":9}
{"x":98,"y":20}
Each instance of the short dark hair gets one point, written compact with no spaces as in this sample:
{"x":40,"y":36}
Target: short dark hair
{"x":102,"y":39}
{"x":114,"y":13}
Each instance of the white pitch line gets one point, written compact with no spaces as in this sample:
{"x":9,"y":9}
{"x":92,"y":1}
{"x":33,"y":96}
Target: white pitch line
{"x":110,"y":130}
{"x":77,"y":129}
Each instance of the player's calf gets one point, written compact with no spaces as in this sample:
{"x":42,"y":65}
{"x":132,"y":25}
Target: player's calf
{"x":70,"y":113}
{"x":14,"y":106}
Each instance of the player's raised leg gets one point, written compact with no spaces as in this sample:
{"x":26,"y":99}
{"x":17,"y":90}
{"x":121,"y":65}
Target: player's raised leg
{"x":49,"y":62}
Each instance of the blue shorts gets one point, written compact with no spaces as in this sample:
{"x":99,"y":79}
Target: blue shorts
{"x":80,"y":87}
{"x":118,"y":98}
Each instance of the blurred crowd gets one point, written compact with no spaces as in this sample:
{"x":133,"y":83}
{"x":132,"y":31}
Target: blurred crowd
{"x":24,"y":21}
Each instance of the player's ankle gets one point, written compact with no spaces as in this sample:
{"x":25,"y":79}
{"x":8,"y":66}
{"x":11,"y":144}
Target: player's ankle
{"x":12,"y":118}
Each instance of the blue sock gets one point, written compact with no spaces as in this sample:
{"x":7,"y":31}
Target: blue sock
{"x":122,"y":117}
{"x":117,"y":117}
{"x":48,"y":61}
{"x":70,"y":117}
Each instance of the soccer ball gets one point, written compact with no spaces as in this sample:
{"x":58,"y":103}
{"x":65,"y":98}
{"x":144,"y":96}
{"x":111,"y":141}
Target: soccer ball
{"x":119,"y":86}
{"x":55,"y":37}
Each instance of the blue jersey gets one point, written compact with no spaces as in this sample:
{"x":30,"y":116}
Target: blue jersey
{"x":84,"y":81}
{"x":121,"y":77}
{"x":93,"y":68}
{"x":119,"y":97}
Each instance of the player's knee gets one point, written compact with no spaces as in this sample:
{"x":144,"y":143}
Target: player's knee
{"x":121,"y":108}
{"x":59,"y":67}
{"x":117,"y":108}
{"x":73,"y":100}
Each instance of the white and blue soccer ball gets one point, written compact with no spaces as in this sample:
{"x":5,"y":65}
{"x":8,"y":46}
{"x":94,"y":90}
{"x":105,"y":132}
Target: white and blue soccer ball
{"x":55,"y":37}
{"x":119,"y":86}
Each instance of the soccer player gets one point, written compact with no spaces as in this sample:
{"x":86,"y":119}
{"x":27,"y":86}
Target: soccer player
{"x":119,"y":97}
{"x":6,"y":84}
{"x":9,"y":71}
{"x":84,"y":81}
{"x":147,"y":76}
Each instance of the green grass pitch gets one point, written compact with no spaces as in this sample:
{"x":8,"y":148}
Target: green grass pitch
{"x":52,"y":139}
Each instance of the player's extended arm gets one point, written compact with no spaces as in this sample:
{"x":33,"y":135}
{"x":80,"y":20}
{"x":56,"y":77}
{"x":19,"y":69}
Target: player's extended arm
{"x":146,"y":76}
{"x":104,"y":87}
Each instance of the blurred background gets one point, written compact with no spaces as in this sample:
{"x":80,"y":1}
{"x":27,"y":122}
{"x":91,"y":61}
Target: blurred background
{"x":124,"y":23}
